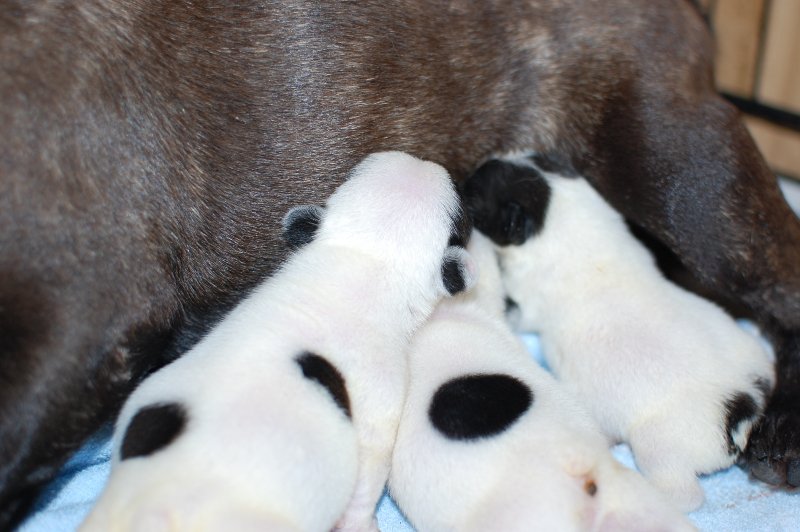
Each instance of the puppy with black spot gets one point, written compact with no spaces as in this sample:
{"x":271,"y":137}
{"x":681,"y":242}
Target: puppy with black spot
{"x":660,"y":368}
{"x":283,"y":417}
{"x":490,"y":441}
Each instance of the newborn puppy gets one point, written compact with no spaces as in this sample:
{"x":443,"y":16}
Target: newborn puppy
{"x":667,"y":371}
{"x":286,"y":412}
{"x":490,"y":441}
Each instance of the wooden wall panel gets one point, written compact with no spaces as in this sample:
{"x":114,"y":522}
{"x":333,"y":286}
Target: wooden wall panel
{"x":737,"y":26}
{"x":758,"y":61}
{"x":779,"y":84}
{"x":780,"y":146}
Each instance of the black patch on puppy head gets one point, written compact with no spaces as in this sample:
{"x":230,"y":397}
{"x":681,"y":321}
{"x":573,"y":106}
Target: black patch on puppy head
{"x":153,"y":428}
{"x":300,"y":225}
{"x":478,"y":406}
{"x":508,"y":202}
{"x":316,"y":368}
{"x":590,"y":487}
{"x":740,"y":408}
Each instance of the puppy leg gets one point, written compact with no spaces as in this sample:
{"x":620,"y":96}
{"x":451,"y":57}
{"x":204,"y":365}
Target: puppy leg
{"x":661,"y":455}
{"x":688,"y":172}
{"x":373,"y":470}
{"x":376,"y":424}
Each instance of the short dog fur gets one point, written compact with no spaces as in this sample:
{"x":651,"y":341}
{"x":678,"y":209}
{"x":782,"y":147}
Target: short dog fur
{"x":148,"y":150}
{"x":659,"y":367}
{"x":285,"y":414}
{"x":490,"y":441}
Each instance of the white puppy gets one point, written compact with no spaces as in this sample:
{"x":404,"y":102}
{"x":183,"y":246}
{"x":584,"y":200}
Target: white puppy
{"x":284,"y":415}
{"x":661,"y":368}
{"x":491,"y":441}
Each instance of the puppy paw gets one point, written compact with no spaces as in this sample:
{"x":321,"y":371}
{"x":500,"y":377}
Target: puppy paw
{"x":459,"y":271}
{"x":773,"y":451}
{"x":684,"y":490}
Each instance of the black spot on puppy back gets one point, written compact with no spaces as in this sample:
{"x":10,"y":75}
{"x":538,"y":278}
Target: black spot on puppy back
{"x":153,"y":428}
{"x":316,"y":368}
{"x":478,"y":406}
{"x":740,"y":408}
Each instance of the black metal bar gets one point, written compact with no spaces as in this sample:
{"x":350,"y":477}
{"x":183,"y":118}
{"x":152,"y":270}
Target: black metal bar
{"x":776,"y":116}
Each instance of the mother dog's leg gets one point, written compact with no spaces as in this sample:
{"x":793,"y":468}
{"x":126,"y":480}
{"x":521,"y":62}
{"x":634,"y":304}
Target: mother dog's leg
{"x":710,"y":196}
{"x":131,"y":193}
{"x":49,"y":404}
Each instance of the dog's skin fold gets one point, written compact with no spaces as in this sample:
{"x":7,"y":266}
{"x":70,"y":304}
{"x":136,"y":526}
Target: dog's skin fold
{"x":148,"y":150}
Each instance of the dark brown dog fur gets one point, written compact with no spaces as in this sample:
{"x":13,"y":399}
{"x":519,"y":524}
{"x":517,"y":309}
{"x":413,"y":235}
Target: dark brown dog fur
{"x":149,"y":148}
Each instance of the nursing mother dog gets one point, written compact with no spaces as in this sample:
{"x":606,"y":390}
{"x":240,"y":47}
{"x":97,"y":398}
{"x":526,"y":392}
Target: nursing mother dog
{"x":149,"y":149}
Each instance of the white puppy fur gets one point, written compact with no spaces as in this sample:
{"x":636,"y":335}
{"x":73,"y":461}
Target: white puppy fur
{"x":550,"y":469}
{"x":661,"y":368}
{"x":263,"y":447}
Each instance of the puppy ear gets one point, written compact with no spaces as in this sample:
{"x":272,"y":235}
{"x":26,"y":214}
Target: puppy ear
{"x":300,"y":224}
{"x":459,"y":271}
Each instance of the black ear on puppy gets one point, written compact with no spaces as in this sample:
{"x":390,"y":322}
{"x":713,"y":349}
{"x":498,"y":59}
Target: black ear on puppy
{"x":459,"y":271}
{"x":300,"y":225}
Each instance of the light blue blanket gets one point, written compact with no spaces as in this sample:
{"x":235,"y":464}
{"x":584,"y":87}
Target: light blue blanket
{"x":733,"y":503}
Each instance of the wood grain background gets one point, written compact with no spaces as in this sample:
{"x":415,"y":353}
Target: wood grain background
{"x":758,"y":63}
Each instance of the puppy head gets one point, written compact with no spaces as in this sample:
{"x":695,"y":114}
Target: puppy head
{"x":507,"y":199}
{"x":400,"y":210}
